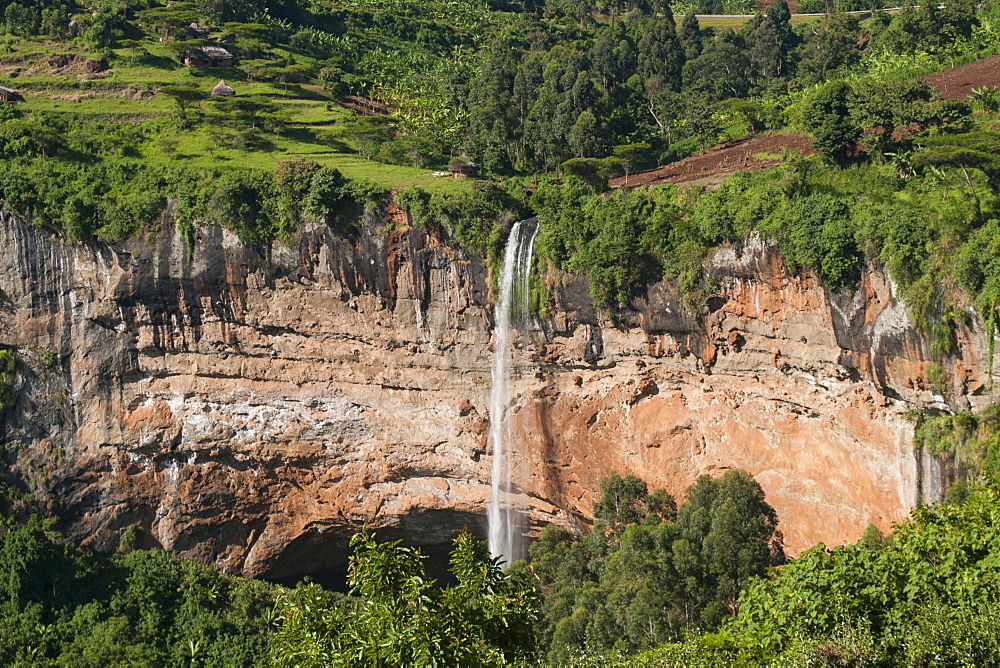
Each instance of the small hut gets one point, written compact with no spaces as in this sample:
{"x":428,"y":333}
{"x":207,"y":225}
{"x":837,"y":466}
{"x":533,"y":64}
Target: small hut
{"x":463,"y":169}
{"x":195,"y":31}
{"x":222,"y":89}
{"x":208,"y":56}
{"x":9,"y":95}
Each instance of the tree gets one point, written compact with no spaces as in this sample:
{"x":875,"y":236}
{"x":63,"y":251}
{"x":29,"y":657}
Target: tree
{"x":173,"y":19}
{"x":295,"y":176}
{"x":249,"y":109}
{"x":183,"y":96}
{"x":590,"y":173}
{"x":241,"y":10}
{"x":691,"y":36}
{"x":656,"y":573}
{"x":721,"y":71}
{"x":621,"y":502}
{"x":832,"y":48}
{"x":728,"y":533}
{"x":770,"y":40}
{"x":701,"y":123}
{"x":881,"y":107}
{"x":779,"y":16}
{"x":399,"y":617}
{"x":583,"y":136}
{"x":104,"y":24}
{"x":747,"y":110}
{"x":659,"y":52}
{"x":329,"y":197}
{"x":936,"y":28}
{"x":632,"y":156}
{"x":493,"y":123}
{"x":613,"y":56}
{"x":246,"y":203}
{"x":294,"y":179}
{"x":294,"y":73}
{"x":826,"y":117}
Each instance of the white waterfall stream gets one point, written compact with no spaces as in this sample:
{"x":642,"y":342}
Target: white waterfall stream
{"x":511,"y":313}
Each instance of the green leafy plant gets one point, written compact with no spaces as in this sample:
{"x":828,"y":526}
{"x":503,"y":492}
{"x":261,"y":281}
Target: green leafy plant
{"x":397,"y":616}
{"x":8,"y":371}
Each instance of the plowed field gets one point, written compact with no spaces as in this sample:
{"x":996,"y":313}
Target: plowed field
{"x":747,"y":154}
{"x":958,"y":82}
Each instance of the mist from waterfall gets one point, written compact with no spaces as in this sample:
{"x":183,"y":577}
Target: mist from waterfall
{"x":505,"y":525}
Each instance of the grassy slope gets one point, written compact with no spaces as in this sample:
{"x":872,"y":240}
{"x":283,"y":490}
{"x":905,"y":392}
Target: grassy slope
{"x":316,"y":127}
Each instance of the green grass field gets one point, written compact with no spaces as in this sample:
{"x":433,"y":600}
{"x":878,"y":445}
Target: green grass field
{"x":314,"y":126}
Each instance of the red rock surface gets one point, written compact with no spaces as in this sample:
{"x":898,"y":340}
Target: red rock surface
{"x":253,"y":410}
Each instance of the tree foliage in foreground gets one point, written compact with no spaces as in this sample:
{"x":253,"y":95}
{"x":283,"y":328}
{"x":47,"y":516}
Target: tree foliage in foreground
{"x":648,"y":573}
{"x":60,"y":605}
{"x":399,"y":617}
{"x":929,"y":594}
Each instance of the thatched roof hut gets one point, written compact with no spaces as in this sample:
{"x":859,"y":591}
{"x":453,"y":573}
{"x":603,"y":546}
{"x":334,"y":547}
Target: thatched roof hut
{"x":222,"y":89}
{"x":207,"y":56}
{"x":196,"y":31}
{"x":463,"y":169}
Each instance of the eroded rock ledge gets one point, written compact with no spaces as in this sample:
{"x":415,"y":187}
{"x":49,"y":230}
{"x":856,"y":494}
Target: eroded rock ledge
{"x":253,"y":407}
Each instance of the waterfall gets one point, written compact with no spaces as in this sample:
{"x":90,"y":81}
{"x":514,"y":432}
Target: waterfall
{"x":511,"y":313}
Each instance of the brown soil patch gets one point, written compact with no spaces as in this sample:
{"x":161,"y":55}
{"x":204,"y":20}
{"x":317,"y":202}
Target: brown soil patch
{"x":958,"y":82}
{"x":85,"y":68}
{"x":364,"y":105}
{"x":747,"y":154}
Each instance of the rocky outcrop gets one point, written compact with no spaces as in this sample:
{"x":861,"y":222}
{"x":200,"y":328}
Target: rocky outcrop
{"x":253,"y":407}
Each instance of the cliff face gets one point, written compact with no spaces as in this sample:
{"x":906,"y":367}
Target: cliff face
{"x":255,"y":408}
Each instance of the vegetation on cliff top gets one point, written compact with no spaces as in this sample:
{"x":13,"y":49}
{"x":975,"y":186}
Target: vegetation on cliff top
{"x":114,"y":126}
{"x":384,"y":92}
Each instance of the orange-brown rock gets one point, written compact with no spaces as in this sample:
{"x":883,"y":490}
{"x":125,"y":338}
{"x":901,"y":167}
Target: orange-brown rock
{"x":253,"y":407}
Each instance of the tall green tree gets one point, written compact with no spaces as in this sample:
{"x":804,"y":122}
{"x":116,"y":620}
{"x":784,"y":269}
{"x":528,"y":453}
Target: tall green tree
{"x":626,"y":500}
{"x":827,"y":117}
{"x":723,"y":70}
{"x":659,"y":51}
{"x":183,"y":96}
{"x":399,"y":617}
{"x":650,"y":578}
{"x":691,"y":36}
{"x":832,"y":48}
{"x":728,"y":533}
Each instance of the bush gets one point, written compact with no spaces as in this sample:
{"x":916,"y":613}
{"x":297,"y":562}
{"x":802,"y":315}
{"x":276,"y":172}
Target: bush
{"x":246,"y":203}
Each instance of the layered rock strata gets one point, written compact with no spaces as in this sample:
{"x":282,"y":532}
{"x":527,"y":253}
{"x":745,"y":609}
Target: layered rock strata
{"x":253,"y":407}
